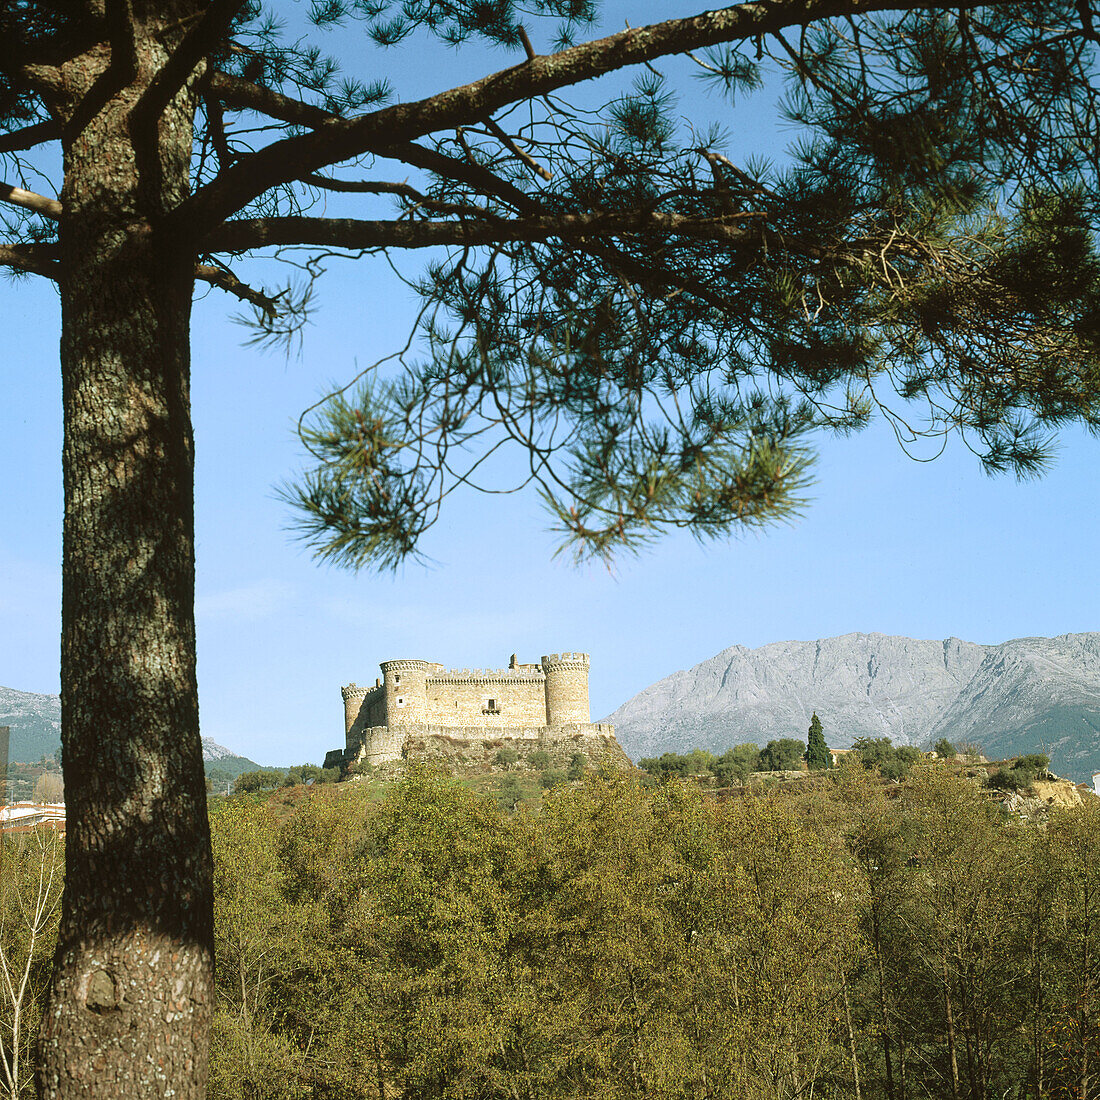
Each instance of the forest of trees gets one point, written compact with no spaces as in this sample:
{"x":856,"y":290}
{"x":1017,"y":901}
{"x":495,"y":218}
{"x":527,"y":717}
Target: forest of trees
{"x":840,"y":937}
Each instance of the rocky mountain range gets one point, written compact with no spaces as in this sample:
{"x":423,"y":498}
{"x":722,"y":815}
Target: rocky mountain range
{"x":34,"y":721}
{"x":1025,"y":695}
{"x":35,"y":724}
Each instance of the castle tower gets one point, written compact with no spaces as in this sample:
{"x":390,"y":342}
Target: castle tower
{"x":406,"y":692}
{"x":566,"y":688}
{"x":353,"y":699}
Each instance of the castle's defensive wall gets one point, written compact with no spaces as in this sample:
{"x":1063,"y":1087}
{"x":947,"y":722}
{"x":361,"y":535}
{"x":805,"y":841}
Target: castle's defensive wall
{"x":520,"y":702}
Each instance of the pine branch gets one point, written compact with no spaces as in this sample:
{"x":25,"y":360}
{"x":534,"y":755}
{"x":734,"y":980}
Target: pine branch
{"x":29,"y":136}
{"x":225,"y":280}
{"x":197,"y":43}
{"x":339,"y":140}
{"x":35,"y":259}
{"x":31,"y":200}
{"x":245,"y":234}
{"x":241,"y":95}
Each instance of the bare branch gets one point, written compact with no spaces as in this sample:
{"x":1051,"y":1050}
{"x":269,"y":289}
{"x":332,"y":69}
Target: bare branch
{"x":124,"y":51}
{"x":35,"y":259}
{"x":29,"y":136}
{"x":478,"y":177}
{"x":516,"y":151}
{"x":531,"y":55}
{"x":242,"y":95}
{"x":245,"y":234}
{"x":43,"y":78}
{"x":31,"y":200}
{"x":363,"y":187}
{"x":225,"y":280}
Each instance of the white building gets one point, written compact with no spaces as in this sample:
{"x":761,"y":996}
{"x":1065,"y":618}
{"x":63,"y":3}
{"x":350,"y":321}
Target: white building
{"x":27,"y":815}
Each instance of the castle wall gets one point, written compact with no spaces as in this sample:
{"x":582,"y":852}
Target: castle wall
{"x":363,"y":707}
{"x":526,"y":703}
{"x":566,"y":688}
{"x":404,"y":682}
{"x":455,"y":699}
{"x":379,"y":745}
{"x":383,"y":745}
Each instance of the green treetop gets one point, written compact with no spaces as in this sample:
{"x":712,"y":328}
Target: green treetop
{"x":817,"y":752}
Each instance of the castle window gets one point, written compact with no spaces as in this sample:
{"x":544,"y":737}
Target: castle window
{"x":490,"y":707}
{"x":397,"y":677}
{"x":400,"y":700}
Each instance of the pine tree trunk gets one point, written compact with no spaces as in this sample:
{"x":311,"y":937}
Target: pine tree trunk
{"x":130,"y":1001}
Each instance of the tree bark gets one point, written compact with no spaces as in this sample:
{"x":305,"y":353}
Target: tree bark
{"x":131,"y":993}
{"x":950,"y":1017}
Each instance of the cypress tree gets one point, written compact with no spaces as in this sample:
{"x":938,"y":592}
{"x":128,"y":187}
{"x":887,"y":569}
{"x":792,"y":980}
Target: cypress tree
{"x":817,"y":752}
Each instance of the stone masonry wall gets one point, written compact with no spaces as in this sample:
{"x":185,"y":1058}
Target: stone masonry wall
{"x":525,"y":703}
{"x":518,"y":701}
{"x":382,"y":745}
{"x":566,"y":688}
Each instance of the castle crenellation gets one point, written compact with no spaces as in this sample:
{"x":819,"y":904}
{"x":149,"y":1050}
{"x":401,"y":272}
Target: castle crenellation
{"x":523,"y":702}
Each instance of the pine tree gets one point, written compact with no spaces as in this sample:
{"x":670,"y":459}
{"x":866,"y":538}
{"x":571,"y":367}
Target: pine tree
{"x":817,"y":752}
{"x":656,"y":328}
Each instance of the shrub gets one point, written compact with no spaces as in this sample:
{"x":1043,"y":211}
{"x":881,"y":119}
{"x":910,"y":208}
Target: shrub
{"x":665,"y":766}
{"x":736,"y":764}
{"x":943,"y":747}
{"x":263,"y":779}
{"x":783,"y":755}
{"x":1037,"y":760}
{"x":577,"y":764}
{"x":540,"y":760}
{"x":1011,"y":779}
{"x":506,"y":756}
{"x":510,"y":792}
{"x":552,"y":777}
{"x":1020,"y":774}
{"x":881,"y":754}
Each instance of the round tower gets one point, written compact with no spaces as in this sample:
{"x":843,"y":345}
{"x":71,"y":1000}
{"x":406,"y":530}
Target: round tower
{"x":353,"y":699}
{"x":406,"y":692}
{"x":566,"y":688}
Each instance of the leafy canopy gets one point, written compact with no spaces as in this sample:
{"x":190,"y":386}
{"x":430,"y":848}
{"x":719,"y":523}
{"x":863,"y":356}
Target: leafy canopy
{"x":656,"y":326}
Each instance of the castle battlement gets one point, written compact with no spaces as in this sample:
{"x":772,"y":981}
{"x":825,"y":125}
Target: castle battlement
{"x":486,"y":675}
{"x":415,"y":695}
{"x":572,"y":659}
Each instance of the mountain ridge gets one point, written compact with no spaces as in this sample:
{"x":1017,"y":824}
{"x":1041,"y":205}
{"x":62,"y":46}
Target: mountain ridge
{"x":1026,"y":694}
{"x":35,"y":723}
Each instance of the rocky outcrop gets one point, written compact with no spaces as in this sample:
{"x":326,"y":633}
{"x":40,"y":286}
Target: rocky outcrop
{"x":1026,"y":695}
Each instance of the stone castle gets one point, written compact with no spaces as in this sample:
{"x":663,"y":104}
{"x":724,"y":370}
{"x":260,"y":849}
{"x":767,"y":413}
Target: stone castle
{"x":531,"y":705}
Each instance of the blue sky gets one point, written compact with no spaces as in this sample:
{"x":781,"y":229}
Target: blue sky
{"x":887,"y":544}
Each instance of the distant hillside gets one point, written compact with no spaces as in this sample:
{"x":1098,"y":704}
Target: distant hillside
{"x":35,"y":722}
{"x":1024,"y":695}
{"x":223,"y":765}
